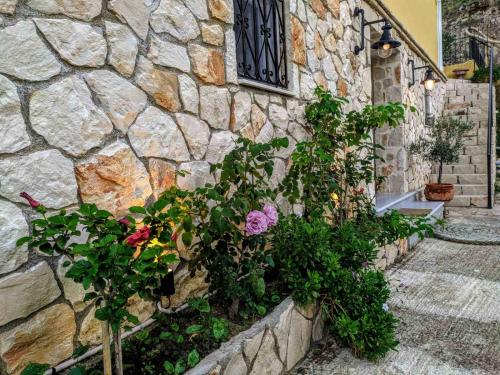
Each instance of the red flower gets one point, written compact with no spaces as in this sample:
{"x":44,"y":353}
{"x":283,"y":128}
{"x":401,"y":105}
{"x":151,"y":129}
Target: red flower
{"x":139,"y":236}
{"x":33,"y":203}
{"x":124,"y":221}
{"x":174,"y":236}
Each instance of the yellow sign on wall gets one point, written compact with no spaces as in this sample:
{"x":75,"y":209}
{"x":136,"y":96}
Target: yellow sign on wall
{"x":420,"y":19}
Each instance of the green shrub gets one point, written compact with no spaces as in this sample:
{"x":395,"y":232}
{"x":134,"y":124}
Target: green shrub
{"x":328,"y":255}
{"x":482,"y":75}
{"x":235,"y":260}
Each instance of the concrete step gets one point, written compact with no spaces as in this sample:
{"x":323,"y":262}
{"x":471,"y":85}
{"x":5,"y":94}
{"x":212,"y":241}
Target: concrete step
{"x":411,"y":200}
{"x":471,"y":190}
{"x":463,"y":179}
{"x":468,"y":201}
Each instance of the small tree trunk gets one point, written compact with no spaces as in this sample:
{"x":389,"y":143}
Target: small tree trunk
{"x":117,"y":341}
{"x":106,"y":348}
{"x":440,"y":173}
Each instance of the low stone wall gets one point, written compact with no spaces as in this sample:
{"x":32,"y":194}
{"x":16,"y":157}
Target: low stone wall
{"x":273,"y":345}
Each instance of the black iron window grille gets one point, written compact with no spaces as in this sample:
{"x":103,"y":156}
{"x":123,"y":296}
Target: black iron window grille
{"x":261,"y":41}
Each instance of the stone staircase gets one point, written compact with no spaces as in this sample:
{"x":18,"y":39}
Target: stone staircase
{"x":468,"y":101}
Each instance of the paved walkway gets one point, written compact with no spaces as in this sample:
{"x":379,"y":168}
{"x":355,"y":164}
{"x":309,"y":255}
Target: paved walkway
{"x":447,"y":297}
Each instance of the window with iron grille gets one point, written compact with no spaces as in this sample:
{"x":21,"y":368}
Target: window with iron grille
{"x":261,"y":41}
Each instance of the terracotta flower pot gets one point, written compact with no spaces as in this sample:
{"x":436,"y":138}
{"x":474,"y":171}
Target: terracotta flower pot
{"x":439,"y":192}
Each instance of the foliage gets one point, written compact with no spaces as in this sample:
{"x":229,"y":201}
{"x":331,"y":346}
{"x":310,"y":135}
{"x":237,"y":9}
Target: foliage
{"x":329,"y":254}
{"x":330,"y":172}
{"x":109,"y":268}
{"x":35,"y":369}
{"x":235,"y":260}
{"x":444,"y":144}
{"x":176,"y":343}
{"x":482,"y":75}
{"x":334,"y":265}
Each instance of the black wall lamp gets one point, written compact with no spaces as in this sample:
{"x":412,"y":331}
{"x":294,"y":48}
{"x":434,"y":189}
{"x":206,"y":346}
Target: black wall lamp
{"x":386,"y":45}
{"x":429,"y":80}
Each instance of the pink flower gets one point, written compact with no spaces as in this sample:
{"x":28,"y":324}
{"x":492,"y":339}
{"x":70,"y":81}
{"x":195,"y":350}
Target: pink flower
{"x":33,"y":203}
{"x":139,"y":236}
{"x":271,"y":214}
{"x":257,"y":223}
{"x":124,"y":221}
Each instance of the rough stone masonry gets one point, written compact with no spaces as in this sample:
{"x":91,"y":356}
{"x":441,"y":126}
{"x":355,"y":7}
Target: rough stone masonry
{"x":103,"y":101}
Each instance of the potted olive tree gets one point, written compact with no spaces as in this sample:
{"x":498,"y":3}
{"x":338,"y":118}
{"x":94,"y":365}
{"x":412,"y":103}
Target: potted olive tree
{"x":443,"y":146}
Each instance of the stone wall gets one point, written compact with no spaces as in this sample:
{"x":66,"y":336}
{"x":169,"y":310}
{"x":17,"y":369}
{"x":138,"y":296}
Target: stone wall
{"x":274,"y":345}
{"x":468,"y":101}
{"x":391,"y":78}
{"x":102,"y":101}
{"x":386,"y":75}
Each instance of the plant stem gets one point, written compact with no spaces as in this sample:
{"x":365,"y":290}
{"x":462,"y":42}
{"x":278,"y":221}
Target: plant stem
{"x":117,"y":341}
{"x":440,"y":173}
{"x":106,"y":348}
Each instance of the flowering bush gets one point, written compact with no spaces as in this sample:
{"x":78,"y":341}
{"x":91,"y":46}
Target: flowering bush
{"x":230,"y":225}
{"x":118,"y":258}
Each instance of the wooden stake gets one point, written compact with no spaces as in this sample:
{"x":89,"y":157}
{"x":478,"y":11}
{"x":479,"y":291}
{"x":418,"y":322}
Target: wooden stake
{"x":106,"y":348}
{"x":117,"y":341}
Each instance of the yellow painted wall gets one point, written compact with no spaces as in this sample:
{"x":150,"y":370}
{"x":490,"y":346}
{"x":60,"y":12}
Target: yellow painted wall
{"x":419,"y":18}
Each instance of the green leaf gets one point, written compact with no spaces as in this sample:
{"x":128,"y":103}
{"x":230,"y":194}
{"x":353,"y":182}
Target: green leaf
{"x":80,"y":350}
{"x":201,"y":304}
{"x":179,"y":367}
{"x":137,"y":210}
{"x":193,"y":358}
{"x":187,"y":238}
{"x":169,"y":367}
{"x":22,"y":241}
{"x":219,"y":329}
{"x":78,"y":370}
{"x":103,"y":313}
{"x":35,"y":369}
{"x":195,"y":328}
{"x":165,"y":335}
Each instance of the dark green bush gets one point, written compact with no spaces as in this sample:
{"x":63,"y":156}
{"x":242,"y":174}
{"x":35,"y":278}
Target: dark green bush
{"x":482,"y":75}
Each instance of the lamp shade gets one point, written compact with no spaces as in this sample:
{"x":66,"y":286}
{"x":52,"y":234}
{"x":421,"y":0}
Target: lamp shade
{"x":429,"y":80}
{"x":386,"y":41}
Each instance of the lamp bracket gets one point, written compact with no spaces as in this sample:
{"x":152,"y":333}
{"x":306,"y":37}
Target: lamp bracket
{"x":413,"y":69}
{"x":358,"y":12}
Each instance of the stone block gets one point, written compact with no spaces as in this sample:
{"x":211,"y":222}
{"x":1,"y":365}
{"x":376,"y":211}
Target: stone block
{"x":473,"y":189}
{"x":472,"y":179}
{"x":446,"y":178}
{"x":464,"y":169}
{"x":267,"y":361}
{"x":474,"y":150}
{"x":46,"y":338}
{"x":459,"y":201}
{"x":462,"y":91}
{"x":478,"y":159}
{"x":464,"y":159}
{"x":456,"y":99}
{"x":479,"y":201}
{"x":470,"y":141}
{"x":25,"y":292}
{"x":481,"y":168}
{"x":13,"y":225}
{"x":114,"y":179}
{"x":299,"y":339}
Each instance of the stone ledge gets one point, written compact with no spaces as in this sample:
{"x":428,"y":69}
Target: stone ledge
{"x":273,"y":345}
